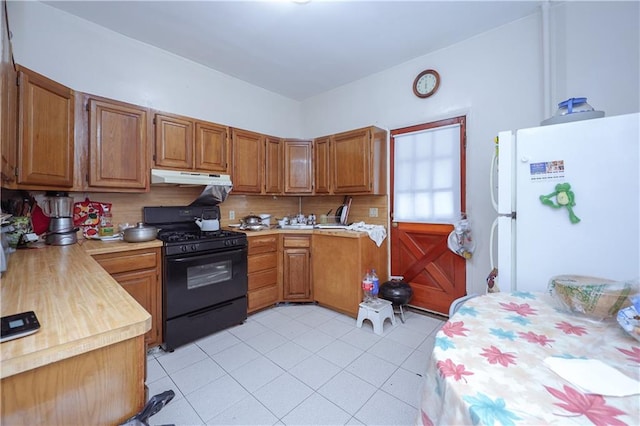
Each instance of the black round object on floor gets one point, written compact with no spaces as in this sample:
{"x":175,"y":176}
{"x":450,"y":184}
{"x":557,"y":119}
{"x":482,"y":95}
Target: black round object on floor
{"x":396,"y":291}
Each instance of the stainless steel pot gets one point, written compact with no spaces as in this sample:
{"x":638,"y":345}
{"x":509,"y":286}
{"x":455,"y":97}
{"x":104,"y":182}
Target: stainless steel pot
{"x":140,"y":233}
{"x":252,"y":223}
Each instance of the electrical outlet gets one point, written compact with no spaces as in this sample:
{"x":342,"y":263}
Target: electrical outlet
{"x":373,"y":212}
{"x":232,"y":214}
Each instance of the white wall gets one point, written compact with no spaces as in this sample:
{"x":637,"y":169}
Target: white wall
{"x":495,"y":79}
{"x":91,"y":59}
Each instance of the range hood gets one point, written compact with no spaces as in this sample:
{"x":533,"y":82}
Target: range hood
{"x":189,"y":178}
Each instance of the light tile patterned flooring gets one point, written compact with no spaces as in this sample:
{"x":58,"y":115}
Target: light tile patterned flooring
{"x":297,"y":364}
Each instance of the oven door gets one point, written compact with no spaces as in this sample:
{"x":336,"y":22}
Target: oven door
{"x":196,"y":281}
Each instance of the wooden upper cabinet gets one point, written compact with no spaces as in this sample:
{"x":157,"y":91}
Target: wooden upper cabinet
{"x":174,"y":141}
{"x":8,"y":115}
{"x":298,"y":166}
{"x":211,"y":147}
{"x":118,"y":153}
{"x":183,"y":143}
{"x":45,"y":131}
{"x":248,"y":161}
{"x":359,"y":162}
{"x":272,"y":165}
{"x":321,"y":160}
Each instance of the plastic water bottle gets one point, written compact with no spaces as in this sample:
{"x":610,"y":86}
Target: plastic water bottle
{"x":376,"y":284}
{"x":367,"y":286}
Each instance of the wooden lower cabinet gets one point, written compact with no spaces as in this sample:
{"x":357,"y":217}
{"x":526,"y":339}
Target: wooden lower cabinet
{"x":339,"y":263}
{"x":101,"y":387}
{"x":139,"y":272}
{"x":296,"y":268}
{"x":263,"y":272}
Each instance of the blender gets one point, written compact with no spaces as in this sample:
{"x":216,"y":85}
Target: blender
{"x":59,"y":207}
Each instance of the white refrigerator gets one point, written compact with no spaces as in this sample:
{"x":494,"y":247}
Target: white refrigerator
{"x":568,"y":202}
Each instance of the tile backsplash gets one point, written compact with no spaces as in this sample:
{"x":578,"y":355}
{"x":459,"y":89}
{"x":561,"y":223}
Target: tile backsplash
{"x":127,"y":207}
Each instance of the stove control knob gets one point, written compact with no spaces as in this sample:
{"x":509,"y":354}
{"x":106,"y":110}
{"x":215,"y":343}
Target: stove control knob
{"x":183,"y":249}
{"x":194,"y":247}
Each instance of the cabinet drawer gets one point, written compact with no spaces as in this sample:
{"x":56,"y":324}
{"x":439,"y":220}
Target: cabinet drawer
{"x":115,"y":263}
{"x":263,"y":278}
{"x":263,"y":297}
{"x":262,"y":244}
{"x":301,"y":241}
{"x":260,"y":262}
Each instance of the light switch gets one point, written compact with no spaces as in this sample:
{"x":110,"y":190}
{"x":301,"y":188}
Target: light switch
{"x":232,"y":214}
{"x":373,"y":212}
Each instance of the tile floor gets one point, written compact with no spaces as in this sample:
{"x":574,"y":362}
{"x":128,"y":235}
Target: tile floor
{"x":294,"y":365}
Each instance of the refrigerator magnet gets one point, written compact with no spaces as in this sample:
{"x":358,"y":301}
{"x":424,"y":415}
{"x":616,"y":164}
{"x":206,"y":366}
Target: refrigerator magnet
{"x":564,"y":197}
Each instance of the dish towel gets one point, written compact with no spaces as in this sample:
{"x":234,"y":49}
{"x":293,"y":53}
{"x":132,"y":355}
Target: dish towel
{"x":376,"y":232}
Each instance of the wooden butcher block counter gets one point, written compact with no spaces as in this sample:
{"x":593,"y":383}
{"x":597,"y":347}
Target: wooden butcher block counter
{"x":86,"y":364}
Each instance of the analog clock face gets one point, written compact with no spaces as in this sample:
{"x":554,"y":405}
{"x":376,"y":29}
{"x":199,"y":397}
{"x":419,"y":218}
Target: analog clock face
{"x":426,"y":83}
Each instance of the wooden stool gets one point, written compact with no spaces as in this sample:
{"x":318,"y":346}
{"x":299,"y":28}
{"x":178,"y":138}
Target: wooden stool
{"x":376,"y":311}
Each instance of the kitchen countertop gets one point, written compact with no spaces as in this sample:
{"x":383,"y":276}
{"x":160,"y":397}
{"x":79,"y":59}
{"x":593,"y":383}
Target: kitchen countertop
{"x":345,"y":233}
{"x":79,"y":305}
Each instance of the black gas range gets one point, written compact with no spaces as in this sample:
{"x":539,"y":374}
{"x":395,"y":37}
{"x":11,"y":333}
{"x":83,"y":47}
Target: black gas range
{"x":204,"y":273}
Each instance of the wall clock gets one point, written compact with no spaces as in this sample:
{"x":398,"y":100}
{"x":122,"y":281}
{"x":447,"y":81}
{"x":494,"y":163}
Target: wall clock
{"x":426,"y":83}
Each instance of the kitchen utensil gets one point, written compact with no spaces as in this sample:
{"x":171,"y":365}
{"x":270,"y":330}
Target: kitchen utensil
{"x":266,"y":219}
{"x":59,"y":225}
{"x":140,"y":233}
{"x":208,"y":224}
{"x":62,"y":238}
{"x":342,"y":213}
{"x":58,"y":204}
{"x":251,"y":220}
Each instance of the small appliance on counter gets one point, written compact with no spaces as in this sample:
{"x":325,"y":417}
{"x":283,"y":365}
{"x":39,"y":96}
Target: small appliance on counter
{"x":59,"y":207}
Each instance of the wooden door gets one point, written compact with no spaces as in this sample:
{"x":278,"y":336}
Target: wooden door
{"x":8,"y":114}
{"x":248,"y":161}
{"x":298,"y":167}
{"x":351,"y":162}
{"x":46,"y":138}
{"x":419,"y":251}
{"x":296,"y":267}
{"x":272,"y":165}
{"x":174,"y":141}
{"x":144,"y":287}
{"x":321,"y":157}
{"x":211,"y":148}
{"x":117,"y":145}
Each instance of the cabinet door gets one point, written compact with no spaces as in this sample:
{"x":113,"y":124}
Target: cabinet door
{"x":211,"y":148}
{"x":298,"y":167}
{"x":45,"y":127}
{"x":8,"y":117}
{"x":138,"y":271}
{"x":143,"y":286}
{"x":117,"y":145}
{"x":248,"y":161}
{"x":352,"y":162}
{"x":296,"y":280}
{"x":321,"y":157}
{"x":174,"y":141}
{"x":272,"y":165}
{"x":296,"y":267}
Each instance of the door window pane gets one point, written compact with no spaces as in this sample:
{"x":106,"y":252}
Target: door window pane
{"x":427,"y":176}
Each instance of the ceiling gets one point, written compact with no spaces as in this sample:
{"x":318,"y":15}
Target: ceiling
{"x":299,"y":50}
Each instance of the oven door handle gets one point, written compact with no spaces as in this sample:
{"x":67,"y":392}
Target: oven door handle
{"x":203,"y":256}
